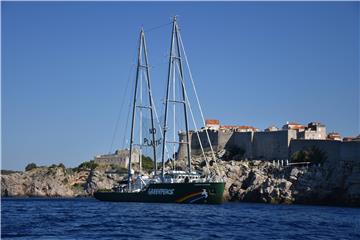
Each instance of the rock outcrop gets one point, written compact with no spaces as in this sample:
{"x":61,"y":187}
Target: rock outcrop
{"x":333,"y":183}
{"x":56,"y":182}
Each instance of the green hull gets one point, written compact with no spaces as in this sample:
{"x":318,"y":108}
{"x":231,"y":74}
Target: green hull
{"x":205,"y":193}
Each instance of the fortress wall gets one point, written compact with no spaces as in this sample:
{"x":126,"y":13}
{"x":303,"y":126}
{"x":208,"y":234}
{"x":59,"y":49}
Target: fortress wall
{"x":330,"y":147}
{"x":257,"y":145}
{"x":350,"y":151}
{"x":242,"y":140}
{"x":224,"y":137}
{"x":182,"y":151}
{"x":195,"y":145}
{"x":272,"y":145}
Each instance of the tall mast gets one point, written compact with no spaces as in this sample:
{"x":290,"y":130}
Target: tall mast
{"x":134,"y":109}
{"x":151,"y":104}
{"x":184,"y":96}
{"x":140,"y":123}
{"x":167,"y":98}
{"x":174,"y":116}
{"x":142,"y":50}
{"x":175,"y":57}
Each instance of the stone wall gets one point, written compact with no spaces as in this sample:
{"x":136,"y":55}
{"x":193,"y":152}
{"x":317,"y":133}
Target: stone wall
{"x":272,"y":145}
{"x":219,"y":140}
{"x":195,"y":145}
{"x":243,"y":140}
{"x":120,"y":157}
{"x":257,"y":145}
{"x":329,"y":147}
{"x":182,"y":151}
{"x":350,"y":151}
{"x":223,"y":138}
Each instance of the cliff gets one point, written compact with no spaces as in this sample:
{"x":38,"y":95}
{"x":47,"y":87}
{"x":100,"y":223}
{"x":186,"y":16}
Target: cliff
{"x":57,"y":182}
{"x":333,"y":183}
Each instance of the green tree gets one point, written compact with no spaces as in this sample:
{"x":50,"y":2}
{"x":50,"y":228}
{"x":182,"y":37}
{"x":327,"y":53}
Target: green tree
{"x":147,"y":163}
{"x":88,"y":165}
{"x":312,"y":154}
{"x":53,"y":166}
{"x":30,"y":166}
{"x":299,"y":156}
{"x":61,"y":165}
{"x":316,"y":155}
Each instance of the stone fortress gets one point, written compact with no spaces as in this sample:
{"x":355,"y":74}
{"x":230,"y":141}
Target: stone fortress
{"x":120,"y":157}
{"x":273,"y":143}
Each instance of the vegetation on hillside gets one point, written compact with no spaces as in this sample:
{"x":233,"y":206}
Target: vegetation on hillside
{"x":30,"y":166}
{"x":88,"y":165}
{"x":119,"y":169}
{"x":147,"y":163}
{"x":312,"y":154}
{"x":7,"y":172}
{"x":60,"y":165}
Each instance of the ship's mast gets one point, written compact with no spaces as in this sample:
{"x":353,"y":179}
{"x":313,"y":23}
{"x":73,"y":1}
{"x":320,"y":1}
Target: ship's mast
{"x":188,"y":147}
{"x":151,"y":104}
{"x":142,"y":50}
{"x":175,"y":58}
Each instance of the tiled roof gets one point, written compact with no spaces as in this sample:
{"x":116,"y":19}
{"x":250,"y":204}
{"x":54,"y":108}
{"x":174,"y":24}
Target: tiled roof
{"x":237,"y":127}
{"x":212,"y":121}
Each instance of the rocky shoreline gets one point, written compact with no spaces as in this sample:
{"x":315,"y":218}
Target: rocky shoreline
{"x":333,"y":183}
{"x":262,"y":182}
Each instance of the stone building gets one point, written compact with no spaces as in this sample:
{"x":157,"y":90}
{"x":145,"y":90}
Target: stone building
{"x":314,"y":130}
{"x":348,"y":139}
{"x":241,"y":128}
{"x":212,"y":124}
{"x":271,"y":129}
{"x":120,"y":157}
{"x":267,"y":145}
{"x":294,"y":126}
{"x":334,"y":136}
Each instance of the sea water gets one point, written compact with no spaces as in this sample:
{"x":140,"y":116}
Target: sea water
{"x":88,"y":218}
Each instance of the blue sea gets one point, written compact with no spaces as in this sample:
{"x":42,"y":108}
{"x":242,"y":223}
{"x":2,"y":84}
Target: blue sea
{"x":88,"y":218}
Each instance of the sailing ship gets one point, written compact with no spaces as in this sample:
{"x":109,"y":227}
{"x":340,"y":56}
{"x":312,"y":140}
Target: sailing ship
{"x":169,"y":185}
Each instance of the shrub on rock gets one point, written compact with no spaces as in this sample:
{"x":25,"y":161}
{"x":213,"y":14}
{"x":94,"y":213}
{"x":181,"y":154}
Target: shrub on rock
{"x":88,"y":165}
{"x":30,"y":166}
{"x":312,"y":154}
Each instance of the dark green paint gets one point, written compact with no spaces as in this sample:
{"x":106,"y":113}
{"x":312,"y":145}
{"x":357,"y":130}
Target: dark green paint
{"x":181,"y":190}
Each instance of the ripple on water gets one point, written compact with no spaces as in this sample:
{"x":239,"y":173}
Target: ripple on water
{"x":91,"y":219}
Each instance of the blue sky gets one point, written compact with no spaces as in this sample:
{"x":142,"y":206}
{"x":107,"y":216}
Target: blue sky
{"x":65,"y":66}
